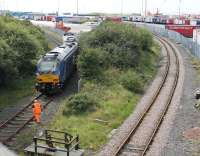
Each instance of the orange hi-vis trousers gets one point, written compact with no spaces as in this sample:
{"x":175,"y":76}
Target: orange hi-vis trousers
{"x":37,"y":117}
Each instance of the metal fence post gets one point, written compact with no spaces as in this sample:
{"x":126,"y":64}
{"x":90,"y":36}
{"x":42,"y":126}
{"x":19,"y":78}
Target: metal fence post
{"x":68,"y":150}
{"x":35,"y":143}
{"x":77,"y":140}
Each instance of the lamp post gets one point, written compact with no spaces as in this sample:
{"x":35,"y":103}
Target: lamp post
{"x":58,"y":7}
{"x":121,"y":7}
{"x":142,"y":12}
{"x":179,"y":8}
{"x":145,"y":13}
{"x":77,"y":7}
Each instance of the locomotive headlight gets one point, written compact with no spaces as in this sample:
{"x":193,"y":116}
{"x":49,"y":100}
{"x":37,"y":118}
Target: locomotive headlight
{"x":55,"y":80}
{"x":39,"y":79}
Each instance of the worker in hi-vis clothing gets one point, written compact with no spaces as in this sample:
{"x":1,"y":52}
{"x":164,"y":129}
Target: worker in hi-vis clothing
{"x":37,"y":109}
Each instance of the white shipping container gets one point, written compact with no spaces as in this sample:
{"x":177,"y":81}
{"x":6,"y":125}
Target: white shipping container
{"x":149,"y":19}
{"x":137,"y":18}
{"x":196,"y":36}
{"x":178,"y":22}
{"x":193,"y":22}
{"x":181,"y":22}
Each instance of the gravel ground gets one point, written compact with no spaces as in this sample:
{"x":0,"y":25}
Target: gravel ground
{"x":181,"y":118}
{"x":146,"y":128}
{"x":6,"y":112}
{"x":159,"y":140}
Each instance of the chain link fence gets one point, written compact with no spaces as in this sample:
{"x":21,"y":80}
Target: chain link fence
{"x":188,"y":43}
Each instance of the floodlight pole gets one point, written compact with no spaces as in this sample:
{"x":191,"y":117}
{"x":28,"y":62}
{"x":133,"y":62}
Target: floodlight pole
{"x":179,"y":9}
{"x":145,"y":14}
{"x":77,"y":7}
{"x":58,"y":6}
{"x":121,"y":7}
{"x":142,"y":12}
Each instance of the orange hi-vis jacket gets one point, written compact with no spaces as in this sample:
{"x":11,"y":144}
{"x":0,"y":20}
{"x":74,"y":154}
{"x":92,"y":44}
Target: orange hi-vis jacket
{"x":37,"y":108}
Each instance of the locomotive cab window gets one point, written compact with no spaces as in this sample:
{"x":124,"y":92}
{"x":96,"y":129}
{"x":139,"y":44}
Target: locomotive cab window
{"x":48,"y":65}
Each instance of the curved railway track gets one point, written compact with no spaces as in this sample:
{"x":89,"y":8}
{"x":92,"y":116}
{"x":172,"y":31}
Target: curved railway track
{"x":137,"y":143}
{"x":16,"y":123}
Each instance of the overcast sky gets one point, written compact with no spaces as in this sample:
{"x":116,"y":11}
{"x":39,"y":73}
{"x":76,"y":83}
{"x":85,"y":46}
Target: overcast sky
{"x":107,"y":6}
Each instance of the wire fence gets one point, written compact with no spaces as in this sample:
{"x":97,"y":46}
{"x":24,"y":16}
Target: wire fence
{"x":188,"y":43}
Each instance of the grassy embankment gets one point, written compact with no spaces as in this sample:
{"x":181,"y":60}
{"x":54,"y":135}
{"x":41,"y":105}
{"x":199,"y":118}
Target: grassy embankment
{"x":21,"y":44}
{"x":115,"y":63}
{"x":196,"y":64}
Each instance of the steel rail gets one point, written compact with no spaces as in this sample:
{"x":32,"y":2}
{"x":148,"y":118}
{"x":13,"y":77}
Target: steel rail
{"x":19,"y":112}
{"x":168,"y":102}
{"x":24,"y":124}
{"x":52,"y":37}
{"x":126,"y":139}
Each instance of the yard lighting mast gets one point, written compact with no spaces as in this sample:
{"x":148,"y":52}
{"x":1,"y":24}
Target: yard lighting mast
{"x":58,"y":7}
{"x":121,"y":7}
{"x":145,"y":14}
{"x":179,"y":8}
{"x":142,"y":12}
{"x":77,"y":7}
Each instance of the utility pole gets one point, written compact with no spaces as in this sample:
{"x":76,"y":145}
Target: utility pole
{"x":121,"y":7}
{"x":179,"y":9}
{"x":77,"y":7}
{"x":145,"y":14}
{"x":58,"y":7}
{"x":142,"y":13}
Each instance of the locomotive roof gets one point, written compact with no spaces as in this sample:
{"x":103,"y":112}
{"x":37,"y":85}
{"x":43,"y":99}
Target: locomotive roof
{"x":63,"y":51}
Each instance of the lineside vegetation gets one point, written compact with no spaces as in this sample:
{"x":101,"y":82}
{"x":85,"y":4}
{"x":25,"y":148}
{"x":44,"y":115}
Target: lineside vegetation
{"x":20,"y":45}
{"x":116,"y":61}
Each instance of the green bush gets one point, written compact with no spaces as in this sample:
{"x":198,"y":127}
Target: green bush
{"x":90,"y":64}
{"x":80,"y":103}
{"x":113,"y":45}
{"x":8,"y":69}
{"x":132,"y":81}
{"x":20,"y":45}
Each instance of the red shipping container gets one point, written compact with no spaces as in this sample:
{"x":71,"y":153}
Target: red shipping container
{"x":187,"y":22}
{"x":114,"y":19}
{"x":185,"y":30}
{"x":50,"y":18}
{"x":170,"y":21}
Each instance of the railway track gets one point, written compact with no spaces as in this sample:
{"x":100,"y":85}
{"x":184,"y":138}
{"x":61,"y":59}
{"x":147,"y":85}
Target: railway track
{"x":16,"y":123}
{"x":138,"y":141}
{"x":51,"y":37}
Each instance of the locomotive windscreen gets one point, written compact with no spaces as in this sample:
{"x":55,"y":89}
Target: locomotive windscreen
{"x":48,"y":65}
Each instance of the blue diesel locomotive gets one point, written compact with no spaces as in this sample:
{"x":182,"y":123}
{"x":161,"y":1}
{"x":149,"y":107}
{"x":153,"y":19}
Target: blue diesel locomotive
{"x":55,"y":67}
